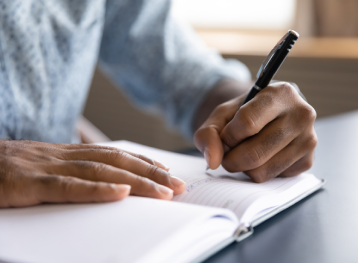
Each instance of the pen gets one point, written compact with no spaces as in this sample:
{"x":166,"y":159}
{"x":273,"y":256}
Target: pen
{"x":272,"y":63}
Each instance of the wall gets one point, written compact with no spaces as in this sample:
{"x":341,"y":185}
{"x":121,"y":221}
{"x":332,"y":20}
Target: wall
{"x":109,"y":110}
{"x":329,"y":85}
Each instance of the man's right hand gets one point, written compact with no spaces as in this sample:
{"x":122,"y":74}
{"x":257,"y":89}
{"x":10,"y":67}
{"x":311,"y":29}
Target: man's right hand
{"x":33,"y":172}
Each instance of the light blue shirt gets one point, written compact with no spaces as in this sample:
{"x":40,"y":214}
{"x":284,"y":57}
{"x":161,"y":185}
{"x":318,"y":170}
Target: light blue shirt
{"x":49,"y":49}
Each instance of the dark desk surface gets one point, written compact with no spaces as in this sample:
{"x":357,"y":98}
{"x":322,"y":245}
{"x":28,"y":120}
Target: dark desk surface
{"x":322,"y":227}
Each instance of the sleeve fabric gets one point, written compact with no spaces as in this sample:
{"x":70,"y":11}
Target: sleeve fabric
{"x":160,"y":62}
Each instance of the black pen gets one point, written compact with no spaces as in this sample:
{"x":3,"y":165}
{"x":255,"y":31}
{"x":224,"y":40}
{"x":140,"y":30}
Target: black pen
{"x":272,"y":63}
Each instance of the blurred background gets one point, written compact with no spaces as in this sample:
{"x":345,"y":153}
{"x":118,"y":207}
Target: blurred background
{"x":323,"y":63}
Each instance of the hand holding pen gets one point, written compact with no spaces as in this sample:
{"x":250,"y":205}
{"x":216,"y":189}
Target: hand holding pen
{"x":270,"y":135}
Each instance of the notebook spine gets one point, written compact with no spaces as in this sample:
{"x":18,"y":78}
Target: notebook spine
{"x":242,"y":232}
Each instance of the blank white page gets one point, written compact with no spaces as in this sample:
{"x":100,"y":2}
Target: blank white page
{"x":220,"y":189}
{"x":124,"y":231}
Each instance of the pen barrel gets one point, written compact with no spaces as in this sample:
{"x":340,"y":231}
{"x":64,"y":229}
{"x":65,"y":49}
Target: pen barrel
{"x":251,"y":94}
{"x":276,"y":60}
{"x":272,"y":63}
{"x":265,"y":80}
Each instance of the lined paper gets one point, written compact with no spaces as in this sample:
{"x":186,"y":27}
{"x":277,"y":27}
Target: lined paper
{"x":234,"y":191}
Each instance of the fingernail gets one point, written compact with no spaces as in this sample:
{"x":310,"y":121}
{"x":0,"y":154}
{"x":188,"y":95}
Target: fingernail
{"x":165,"y":190}
{"x":207,"y":156}
{"x":176,"y":181}
{"x":162,"y":165}
{"x":123,"y":187}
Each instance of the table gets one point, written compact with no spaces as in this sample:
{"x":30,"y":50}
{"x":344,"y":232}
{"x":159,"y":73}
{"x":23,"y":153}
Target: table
{"x":322,"y":227}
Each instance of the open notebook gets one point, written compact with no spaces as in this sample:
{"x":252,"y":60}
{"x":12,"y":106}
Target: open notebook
{"x":215,"y":210}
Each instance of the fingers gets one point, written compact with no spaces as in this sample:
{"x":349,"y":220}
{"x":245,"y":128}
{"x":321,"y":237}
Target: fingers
{"x":142,"y":186}
{"x":270,"y":134}
{"x":35,"y":172}
{"x":61,"y":189}
{"x":208,"y":141}
{"x":260,"y":148}
{"x":89,"y":162}
{"x":294,"y":159}
{"x":77,"y":151}
{"x":207,"y":137}
{"x":300,"y":166}
{"x":228,"y":126}
{"x":256,"y":114}
{"x":150,"y":161}
{"x":124,"y":161}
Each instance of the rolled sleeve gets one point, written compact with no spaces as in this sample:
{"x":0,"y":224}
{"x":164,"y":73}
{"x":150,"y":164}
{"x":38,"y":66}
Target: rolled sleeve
{"x":160,"y":62}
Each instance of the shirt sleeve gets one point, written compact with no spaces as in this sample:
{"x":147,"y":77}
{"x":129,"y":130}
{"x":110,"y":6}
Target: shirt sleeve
{"x":160,"y":62}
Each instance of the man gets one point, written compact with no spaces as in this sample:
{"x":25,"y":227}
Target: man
{"x":48,"y":51}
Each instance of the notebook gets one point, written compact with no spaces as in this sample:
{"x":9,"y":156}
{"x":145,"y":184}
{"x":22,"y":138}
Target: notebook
{"x":216,"y":209}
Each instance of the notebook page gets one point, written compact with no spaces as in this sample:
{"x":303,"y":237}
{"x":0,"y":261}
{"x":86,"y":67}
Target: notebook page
{"x":123,"y":231}
{"x":235,"y":191}
{"x":242,"y":196}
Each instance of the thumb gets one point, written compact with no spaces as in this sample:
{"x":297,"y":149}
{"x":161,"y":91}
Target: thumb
{"x":207,"y":140}
{"x":207,"y":137}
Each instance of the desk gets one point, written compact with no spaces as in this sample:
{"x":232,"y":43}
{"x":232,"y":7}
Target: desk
{"x":322,"y":227}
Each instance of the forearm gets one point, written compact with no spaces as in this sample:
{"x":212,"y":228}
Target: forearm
{"x":223,"y":91}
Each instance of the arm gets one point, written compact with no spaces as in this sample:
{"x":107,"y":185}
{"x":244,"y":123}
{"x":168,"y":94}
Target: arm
{"x":162,"y":64}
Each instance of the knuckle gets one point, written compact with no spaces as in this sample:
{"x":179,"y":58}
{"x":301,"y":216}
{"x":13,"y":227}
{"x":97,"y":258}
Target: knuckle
{"x":112,"y":154}
{"x":4,"y":190}
{"x":5,"y":170}
{"x":275,"y":137}
{"x":108,"y":148}
{"x":13,"y":187}
{"x":10,"y":148}
{"x":143,"y":183}
{"x":220,"y":109}
{"x":258,"y":175}
{"x":230,"y":166}
{"x":254,"y":157}
{"x":120,"y":156}
{"x":65,"y":183}
{"x":94,"y":169}
{"x":61,"y":154}
{"x":307,"y":164}
{"x":152,"y":170}
{"x":230,"y":138}
{"x":267,"y":99}
{"x":248,"y":122}
{"x":311,"y":141}
{"x":98,"y":168}
{"x":308,"y":112}
{"x":49,"y":181}
{"x":145,"y":158}
{"x":286,"y":88}
{"x":85,"y":165}
{"x":94,"y":189}
{"x":274,"y":169}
